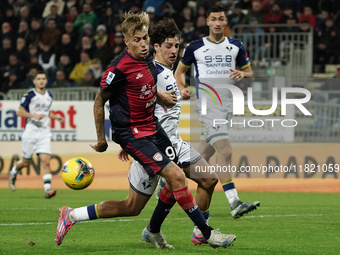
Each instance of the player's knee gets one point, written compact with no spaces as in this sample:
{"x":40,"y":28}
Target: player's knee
{"x":226,"y":153}
{"x":207,"y":183}
{"x":176,"y":178}
{"x":25,"y":163}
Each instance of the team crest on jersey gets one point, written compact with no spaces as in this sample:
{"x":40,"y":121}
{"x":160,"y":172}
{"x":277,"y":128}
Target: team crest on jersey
{"x":110,"y":77}
{"x":158,"y":156}
{"x":230,"y":49}
{"x":139,"y":76}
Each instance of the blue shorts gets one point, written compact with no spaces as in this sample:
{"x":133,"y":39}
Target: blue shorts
{"x":153,"y":152}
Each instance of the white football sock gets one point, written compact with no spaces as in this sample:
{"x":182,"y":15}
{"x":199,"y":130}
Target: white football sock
{"x":47,"y":181}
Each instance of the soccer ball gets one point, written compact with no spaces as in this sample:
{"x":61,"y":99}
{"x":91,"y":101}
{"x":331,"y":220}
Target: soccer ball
{"x":77,"y":173}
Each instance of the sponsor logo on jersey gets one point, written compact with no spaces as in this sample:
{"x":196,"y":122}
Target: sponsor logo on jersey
{"x":206,"y":50}
{"x":158,"y":156}
{"x":166,"y":77}
{"x":139,"y":76}
{"x":110,"y":77}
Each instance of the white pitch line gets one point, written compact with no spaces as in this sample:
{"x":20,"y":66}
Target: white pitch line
{"x":175,"y":219}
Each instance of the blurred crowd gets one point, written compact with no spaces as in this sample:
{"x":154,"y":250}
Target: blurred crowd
{"x":74,"y":40}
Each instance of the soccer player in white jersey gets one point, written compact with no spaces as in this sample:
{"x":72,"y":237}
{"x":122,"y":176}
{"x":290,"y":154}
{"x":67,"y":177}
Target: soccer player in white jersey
{"x":35,"y":107}
{"x":215,"y":58}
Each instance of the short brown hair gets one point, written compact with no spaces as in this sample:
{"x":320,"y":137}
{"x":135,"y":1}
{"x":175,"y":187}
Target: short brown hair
{"x":134,"y":22}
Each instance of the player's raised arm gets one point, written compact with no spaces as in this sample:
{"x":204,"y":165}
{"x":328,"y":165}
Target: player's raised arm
{"x":99,"y":118}
{"x":180,"y":80}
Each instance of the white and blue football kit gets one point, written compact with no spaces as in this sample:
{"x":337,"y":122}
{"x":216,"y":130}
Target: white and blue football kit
{"x":138,"y":178}
{"x":37,"y":134}
{"x":212,"y":63}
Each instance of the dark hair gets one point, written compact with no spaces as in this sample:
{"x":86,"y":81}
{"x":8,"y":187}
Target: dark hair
{"x":164,"y":29}
{"x":217,"y":8}
{"x":39,"y":72}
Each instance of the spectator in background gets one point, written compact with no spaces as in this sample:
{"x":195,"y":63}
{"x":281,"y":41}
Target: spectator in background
{"x":321,"y":20}
{"x":78,"y":71}
{"x":265,"y":4}
{"x":60,"y":80}
{"x":34,"y":63}
{"x":188,"y":33}
{"x":10,"y":18}
{"x":11,"y":82}
{"x":37,"y":8}
{"x":65,"y":65}
{"x":287,"y":13}
{"x":87,"y":32}
{"x":25,"y":14}
{"x":50,"y":36}
{"x":88,"y":80}
{"x":86,"y":17}
{"x":246,"y":4}
{"x":47,"y":60}
{"x":33,"y":50}
{"x":169,"y":12}
{"x":65,"y":48}
{"x":202,"y":28}
{"x":60,"y":4}
{"x":18,"y":4}
{"x":21,"y":50}
{"x":326,"y":42}
{"x":237,"y":17}
{"x":54,"y":15}
{"x":7,"y":31}
{"x":5,"y":51}
{"x":121,"y":6}
{"x":69,"y":29}
{"x":23,"y":31}
{"x":157,"y":7}
{"x":101,"y":34}
{"x":72,"y":14}
{"x":85,"y":45}
{"x":97,"y":71}
{"x":307,"y":15}
{"x":151,"y":13}
{"x":13,"y":66}
{"x":108,"y":19}
{"x":255,"y":14}
{"x":185,"y":15}
{"x":28,"y":82}
{"x":102,"y":52}
{"x":35,"y":32}
{"x":274,"y":16}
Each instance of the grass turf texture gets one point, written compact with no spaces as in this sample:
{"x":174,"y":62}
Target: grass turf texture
{"x":286,"y":223}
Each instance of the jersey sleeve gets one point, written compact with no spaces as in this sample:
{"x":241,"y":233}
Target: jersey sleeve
{"x":242,"y":59}
{"x":112,"y":79}
{"x":188,"y":56}
{"x":25,"y":101}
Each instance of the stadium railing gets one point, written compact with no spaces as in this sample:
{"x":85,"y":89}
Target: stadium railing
{"x":277,"y":53}
{"x":62,"y":94}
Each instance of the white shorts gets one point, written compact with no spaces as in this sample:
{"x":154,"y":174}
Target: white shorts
{"x":145,"y":185}
{"x":41,"y":145}
{"x":212,"y":134}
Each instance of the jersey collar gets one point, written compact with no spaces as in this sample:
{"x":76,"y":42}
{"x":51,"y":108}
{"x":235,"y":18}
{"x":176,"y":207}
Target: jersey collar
{"x":166,"y":66}
{"x":215,"y":42}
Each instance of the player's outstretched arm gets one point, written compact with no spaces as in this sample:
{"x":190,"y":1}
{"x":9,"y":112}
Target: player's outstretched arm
{"x":56,"y":117}
{"x":186,"y":93}
{"x":99,"y":118}
{"x":25,"y":114}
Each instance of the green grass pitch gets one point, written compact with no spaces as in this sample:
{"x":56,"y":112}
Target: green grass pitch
{"x":285,"y":223}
